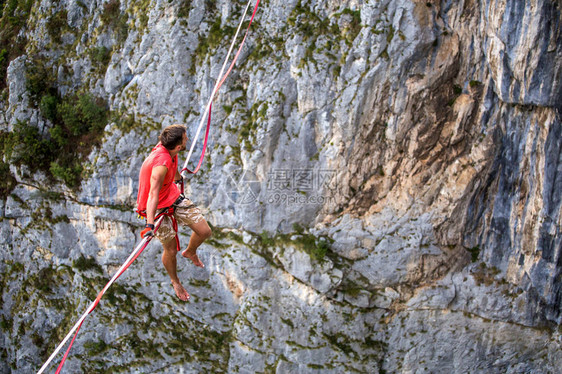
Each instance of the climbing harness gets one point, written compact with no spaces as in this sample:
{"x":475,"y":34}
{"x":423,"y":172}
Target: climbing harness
{"x":158,"y":220}
{"x":168,"y":212}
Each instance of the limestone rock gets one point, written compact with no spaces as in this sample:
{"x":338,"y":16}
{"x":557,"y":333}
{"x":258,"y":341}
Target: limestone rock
{"x":415,"y":146}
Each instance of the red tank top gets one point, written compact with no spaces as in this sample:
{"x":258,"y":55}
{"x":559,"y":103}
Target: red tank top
{"x":169,"y":192}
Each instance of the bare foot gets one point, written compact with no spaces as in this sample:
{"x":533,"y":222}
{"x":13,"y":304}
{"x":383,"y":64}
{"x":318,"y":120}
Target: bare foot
{"x":180,"y":291}
{"x":193,"y":257}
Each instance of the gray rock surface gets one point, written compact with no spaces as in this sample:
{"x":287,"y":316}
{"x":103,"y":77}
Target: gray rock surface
{"x":383,"y":179}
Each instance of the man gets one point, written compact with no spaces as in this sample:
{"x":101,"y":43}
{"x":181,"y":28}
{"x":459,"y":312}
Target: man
{"x":158,"y":191}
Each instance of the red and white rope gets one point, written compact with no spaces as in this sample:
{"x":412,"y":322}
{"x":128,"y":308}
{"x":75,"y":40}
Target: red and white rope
{"x":137,"y":251}
{"x":143,"y":244}
{"x":220,"y":80}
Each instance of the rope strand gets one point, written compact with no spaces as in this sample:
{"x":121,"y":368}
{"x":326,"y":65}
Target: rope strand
{"x":219,"y":83}
{"x":144,"y":243}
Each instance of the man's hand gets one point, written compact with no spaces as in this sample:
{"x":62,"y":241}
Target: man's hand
{"x":147,"y":231}
{"x":178,"y":178}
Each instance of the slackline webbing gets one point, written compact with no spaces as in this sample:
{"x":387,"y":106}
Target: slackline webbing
{"x":145,"y":241}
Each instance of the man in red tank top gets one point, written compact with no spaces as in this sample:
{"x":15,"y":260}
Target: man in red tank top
{"x":158,"y":191}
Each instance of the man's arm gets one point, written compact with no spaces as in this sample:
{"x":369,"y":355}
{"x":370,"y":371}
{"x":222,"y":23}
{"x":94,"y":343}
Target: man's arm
{"x":156,"y":181}
{"x":178,"y":176}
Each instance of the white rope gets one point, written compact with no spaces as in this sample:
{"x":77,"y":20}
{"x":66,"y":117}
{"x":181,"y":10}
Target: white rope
{"x":206,"y":111}
{"x":137,"y":249}
{"x":93,"y":304}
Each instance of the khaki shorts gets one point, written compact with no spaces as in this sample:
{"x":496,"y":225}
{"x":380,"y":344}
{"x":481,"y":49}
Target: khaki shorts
{"x":186,"y":213}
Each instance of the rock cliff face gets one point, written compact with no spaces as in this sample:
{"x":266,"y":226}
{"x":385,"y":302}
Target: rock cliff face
{"x":384,"y":180}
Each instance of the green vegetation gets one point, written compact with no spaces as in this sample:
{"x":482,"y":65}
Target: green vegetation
{"x":371,"y":343}
{"x":100,"y":57}
{"x":315,"y":366}
{"x":210,"y":41}
{"x":8,"y":182}
{"x":83,"y":264}
{"x":138,"y":12}
{"x":125,"y":122}
{"x":26,"y":146}
{"x":40,"y":80}
{"x":288,"y":322}
{"x":111,"y":12}
{"x":474,"y":83}
{"x":316,"y":247}
{"x":485,"y":275}
{"x":351,"y":289}
{"x":184,"y":8}
{"x":474,"y":252}
{"x":266,"y":46}
{"x":77,"y":125}
{"x":113,"y":18}
{"x":354,"y":28}
{"x":265,"y":240}
{"x":44,"y":280}
{"x":256,"y":114}
{"x":41,"y":288}
{"x":220,"y":234}
{"x":6,"y":324}
{"x":457,"y":91}
{"x":390,"y":34}
{"x":227,"y":109}
{"x":15,"y":14}
{"x":340,"y":341}
{"x":56,"y":25}
{"x":95,"y":348}
{"x":75,"y":121}
{"x":45,"y":215}
{"x":177,"y":336}
{"x":384,"y":54}
{"x":151,"y":338}
{"x":311,"y":26}
{"x":80,"y":115}
{"x":42,"y":218}
{"x":199,"y":283}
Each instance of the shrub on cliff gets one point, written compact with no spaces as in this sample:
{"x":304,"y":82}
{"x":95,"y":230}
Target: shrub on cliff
{"x":14,"y":16}
{"x":78,"y":123}
{"x":7,"y":182}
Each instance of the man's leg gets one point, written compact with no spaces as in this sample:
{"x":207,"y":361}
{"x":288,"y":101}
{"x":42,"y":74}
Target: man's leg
{"x":170,"y":263}
{"x":201,"y":231}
